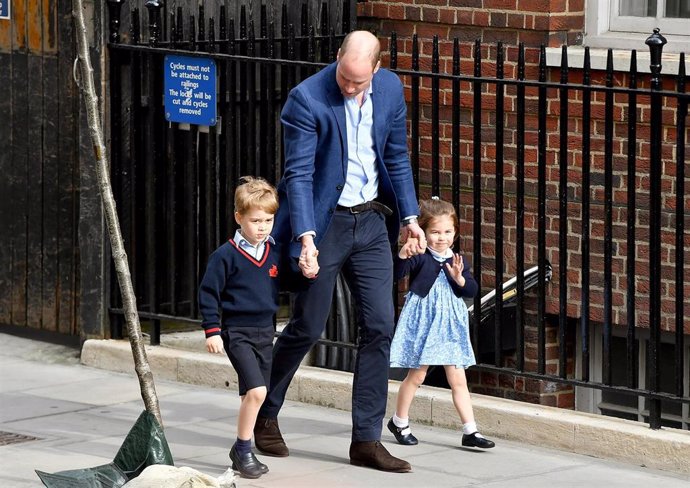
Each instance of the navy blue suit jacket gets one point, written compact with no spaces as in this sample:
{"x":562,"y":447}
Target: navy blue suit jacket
{"x":315,"y":145}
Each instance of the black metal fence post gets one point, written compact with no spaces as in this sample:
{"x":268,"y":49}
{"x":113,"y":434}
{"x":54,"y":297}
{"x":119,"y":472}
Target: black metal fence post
{"x":455,"y":142}
{"x":631,"y":221}
{"x":476,"y":189}
{"x":499,"y":205}
{"x":608,"y":221}
{"x":680,"y":229}
{"x":151,"y":158}
{"x":563,"y":216}
{"x":585,"y":227}
{"x":414,"y":102}
{"x":435,"y":86}
{"x":520,"y":213}
{"x":541,"y":215}
{"x":656,"y":45}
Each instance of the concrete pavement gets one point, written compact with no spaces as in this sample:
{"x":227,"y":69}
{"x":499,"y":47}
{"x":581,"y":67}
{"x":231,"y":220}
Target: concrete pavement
{"x":70,"y":416}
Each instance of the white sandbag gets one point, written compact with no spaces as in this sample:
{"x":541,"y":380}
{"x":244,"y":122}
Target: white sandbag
{"x":163,"y":476}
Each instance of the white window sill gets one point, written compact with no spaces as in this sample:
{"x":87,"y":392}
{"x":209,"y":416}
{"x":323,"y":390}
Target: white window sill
{"x":621,"y":59}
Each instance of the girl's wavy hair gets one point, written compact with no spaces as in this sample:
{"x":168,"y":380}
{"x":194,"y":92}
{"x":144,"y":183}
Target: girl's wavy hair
{"x":435,"y":207}
{"x":254,"y":192}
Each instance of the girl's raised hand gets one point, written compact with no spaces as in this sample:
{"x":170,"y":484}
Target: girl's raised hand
{"x":456,"y":269}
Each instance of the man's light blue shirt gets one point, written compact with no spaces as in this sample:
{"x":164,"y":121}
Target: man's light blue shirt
{"x":362,"y":180}
{"x":257,"y":251}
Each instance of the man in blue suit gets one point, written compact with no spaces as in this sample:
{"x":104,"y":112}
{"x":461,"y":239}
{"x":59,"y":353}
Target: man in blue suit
{"x":346,"y":187}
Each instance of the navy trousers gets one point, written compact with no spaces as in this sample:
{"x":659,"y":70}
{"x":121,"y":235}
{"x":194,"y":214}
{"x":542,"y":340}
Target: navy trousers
{"x":357,"y":245}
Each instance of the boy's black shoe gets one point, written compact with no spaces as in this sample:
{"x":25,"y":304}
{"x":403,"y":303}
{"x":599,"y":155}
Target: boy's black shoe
{"x":475,"y":440}
{"x":247,"y":464}
{"x":264,"y":468}
{"x":406,"y":439}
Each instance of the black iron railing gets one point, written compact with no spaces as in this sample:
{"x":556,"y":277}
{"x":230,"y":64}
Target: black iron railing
{"x":588,"y":176}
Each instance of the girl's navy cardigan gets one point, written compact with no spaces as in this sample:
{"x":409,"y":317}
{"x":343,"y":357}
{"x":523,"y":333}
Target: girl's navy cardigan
{"x":423,"y":270}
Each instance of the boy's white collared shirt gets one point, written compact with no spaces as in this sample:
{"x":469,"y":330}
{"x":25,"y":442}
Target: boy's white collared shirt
{"x":254,"y":251}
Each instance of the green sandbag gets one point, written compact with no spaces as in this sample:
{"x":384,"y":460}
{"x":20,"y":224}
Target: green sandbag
{"x":144,"y":445}
{"x":105,"y":476}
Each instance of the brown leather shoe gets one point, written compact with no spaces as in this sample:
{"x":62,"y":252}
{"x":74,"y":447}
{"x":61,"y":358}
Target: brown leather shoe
{"x":372,"y":454}
{"x":267,"y":438}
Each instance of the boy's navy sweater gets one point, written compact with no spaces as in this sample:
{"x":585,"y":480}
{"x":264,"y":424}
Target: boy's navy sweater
{"x":237,"y":290}
{"x":423,"y":270}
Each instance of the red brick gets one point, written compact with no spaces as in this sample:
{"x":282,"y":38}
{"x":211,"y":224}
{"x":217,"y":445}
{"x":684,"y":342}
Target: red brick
{"x":480,"y":18}
{"x":465,"y":3}
{"x":532,"y":6}
{"x":380,"y":10}
{"x":448,"y":16}
{"x":566,"y":22}
{"x":566,"y":400}
{"x":413,"y":13}
{"x":440,"y":3}
{"x":548,"y":400}
{"x":464,"y":17}
{"x":429,"y":31}
{"x":541,"y":22}
{"x":498,"y":19}
{"x":397,"y":12}
{"x":506,"y":381}
{"x":430,"y":14}
{"x":558,"y":6}
{"x":516,"y":21}
{"x":489,"y":379}
{"x":500,"y":4}
{"x":575,"y":6}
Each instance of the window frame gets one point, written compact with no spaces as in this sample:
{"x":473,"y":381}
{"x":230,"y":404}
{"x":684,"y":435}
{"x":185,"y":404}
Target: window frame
{"x":604,"y":30}
{"x":590,"y":399}
{"x":621,"y":23}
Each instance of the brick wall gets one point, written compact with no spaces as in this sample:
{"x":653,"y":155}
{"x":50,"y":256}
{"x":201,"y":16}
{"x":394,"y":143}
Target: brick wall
{"x":552,"y":23}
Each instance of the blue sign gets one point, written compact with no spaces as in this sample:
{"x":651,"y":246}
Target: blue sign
{"x":190,"y":90}
{"x":4,"y":9}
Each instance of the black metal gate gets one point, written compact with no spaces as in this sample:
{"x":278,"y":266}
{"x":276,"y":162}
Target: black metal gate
{"x":174,"y":182}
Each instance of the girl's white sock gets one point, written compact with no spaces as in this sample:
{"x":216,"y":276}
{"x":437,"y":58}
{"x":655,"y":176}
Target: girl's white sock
{"x":469,"y":428}
{"x":399,"y":422}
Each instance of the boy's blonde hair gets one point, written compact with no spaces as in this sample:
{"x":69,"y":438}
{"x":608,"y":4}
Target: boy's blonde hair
{"x":434,"y":208}
{"x":255,"y":192}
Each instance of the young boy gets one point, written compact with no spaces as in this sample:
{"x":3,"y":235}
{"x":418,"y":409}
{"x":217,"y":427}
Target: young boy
{"x":238,"y":298}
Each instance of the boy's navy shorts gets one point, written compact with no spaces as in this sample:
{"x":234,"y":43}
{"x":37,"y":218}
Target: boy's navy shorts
{"x":250,"y":350}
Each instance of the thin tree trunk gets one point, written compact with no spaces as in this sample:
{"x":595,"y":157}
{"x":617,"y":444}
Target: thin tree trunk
{"x":141,"y":364}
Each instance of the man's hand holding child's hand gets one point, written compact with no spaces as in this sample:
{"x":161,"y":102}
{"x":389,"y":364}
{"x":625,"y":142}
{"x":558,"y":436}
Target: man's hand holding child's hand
{"x":308,"y":262}
{"x":412,"y":247}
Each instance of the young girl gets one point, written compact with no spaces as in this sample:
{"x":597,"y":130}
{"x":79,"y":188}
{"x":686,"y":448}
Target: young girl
{"x":433,"y":328}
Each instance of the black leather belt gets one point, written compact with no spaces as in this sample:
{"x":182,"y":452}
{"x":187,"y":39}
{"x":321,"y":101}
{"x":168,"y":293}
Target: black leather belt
{"x":364,"y":207}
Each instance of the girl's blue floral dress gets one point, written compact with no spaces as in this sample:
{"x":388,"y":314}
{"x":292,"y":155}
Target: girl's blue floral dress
{"x":433,"y":330}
